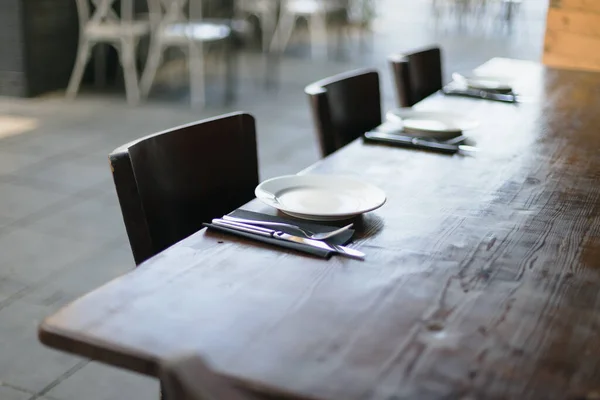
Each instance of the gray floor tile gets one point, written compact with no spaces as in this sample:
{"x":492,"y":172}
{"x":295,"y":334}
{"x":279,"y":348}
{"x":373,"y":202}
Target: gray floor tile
{"x":25,"y":363}
{"x":7,"y":393}
{"x":99,"y":382}
{"x":11,"y":162}
{"x":19,"y":199}
{"x":93,"y":218}
{"x":71,"y":174}
{"x":9,"y":287}
{"x":30,"y":256}
{"x":49,"y":141}
{"x":90,"y":273}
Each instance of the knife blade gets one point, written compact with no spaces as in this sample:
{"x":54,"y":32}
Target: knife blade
{"x":415,"y":142}
{"x":342,"y":250}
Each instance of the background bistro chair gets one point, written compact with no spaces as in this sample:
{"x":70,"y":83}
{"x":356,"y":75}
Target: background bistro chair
{"x":179,"y":24}
{"x":417,"y":75}
{"x":104,"y":25}
{"x":170,"y":182}
{"x":344,"y":107}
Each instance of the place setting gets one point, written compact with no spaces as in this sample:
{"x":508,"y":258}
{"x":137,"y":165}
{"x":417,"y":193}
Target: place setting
{"x":317,"y":214}
{"x":437,"y":131}
{"x":483,"y":86}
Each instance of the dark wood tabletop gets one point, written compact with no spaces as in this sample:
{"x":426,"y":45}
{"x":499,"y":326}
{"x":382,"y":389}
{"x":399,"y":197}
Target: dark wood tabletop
{"x":482,"y":276}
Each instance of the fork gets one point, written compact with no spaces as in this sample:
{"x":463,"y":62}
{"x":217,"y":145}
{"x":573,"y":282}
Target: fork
{"x":309,"y":234}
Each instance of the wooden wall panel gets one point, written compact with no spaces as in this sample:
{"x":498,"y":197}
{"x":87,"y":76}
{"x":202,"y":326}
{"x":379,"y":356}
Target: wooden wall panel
{"x":573,"y":34}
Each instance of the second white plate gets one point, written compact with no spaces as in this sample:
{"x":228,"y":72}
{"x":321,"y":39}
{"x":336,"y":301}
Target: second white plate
{"x":320,"y":197}
{"x":485,"y":82}
{"x":436,"y":124}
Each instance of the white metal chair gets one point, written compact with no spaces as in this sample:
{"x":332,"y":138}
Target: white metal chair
{"x":265,"y":12}
{"x":314,"y":11}
{"x":177,"y":24}
{"x":105,"y":26}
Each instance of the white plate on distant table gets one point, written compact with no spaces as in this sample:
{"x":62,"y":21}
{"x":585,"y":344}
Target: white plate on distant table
{"x":320,"y":197}
{"x":431,"y":124}
{"x":485,"y":82}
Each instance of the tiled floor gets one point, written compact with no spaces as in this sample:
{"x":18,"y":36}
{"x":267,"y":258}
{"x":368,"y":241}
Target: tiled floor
{"x":61,"y":232}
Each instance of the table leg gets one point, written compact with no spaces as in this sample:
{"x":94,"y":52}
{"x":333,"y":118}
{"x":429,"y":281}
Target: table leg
{"x":100,"y":65}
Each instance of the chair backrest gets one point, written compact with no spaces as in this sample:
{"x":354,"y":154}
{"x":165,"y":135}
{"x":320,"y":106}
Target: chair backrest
{"x":103,"y":11}
{"x":417,"y":75}
{"x":164,"y":12}
{"x":171,"y":182}
{"x":344,"y":107}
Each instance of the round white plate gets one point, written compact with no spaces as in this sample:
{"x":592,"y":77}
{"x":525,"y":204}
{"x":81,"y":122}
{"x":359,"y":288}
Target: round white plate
{"x":485,"y":82}
{"x":435,"y":124}
{"x":320,"y":197}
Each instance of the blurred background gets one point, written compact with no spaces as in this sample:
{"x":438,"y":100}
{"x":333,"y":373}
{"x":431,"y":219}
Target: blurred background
{"x":69,"y":97}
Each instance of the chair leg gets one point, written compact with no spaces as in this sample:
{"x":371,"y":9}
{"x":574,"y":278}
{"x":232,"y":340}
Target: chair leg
{"x":318,"y":29}
{"x":283,"y":32}
{"x":100,"y":65}
{"x":267,"y":29}
{"x":155,"y":55}
{"x":196,"y":68}
{"x":127,"y":54}
{"x":83,"y":56}
{"x":230,"y":72}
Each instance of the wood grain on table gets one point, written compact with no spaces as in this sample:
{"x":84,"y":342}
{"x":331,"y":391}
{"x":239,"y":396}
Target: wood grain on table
{"x":482,"y":277}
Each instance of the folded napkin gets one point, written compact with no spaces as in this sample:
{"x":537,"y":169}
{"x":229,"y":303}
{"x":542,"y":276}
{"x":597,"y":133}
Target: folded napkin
{"x":340,"y":239}
{"x":495,"y":95}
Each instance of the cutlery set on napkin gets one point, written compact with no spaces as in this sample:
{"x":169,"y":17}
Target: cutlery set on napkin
{"x":424,"y":130}
{"x":316,"y":239}
{"x":496,"y":88}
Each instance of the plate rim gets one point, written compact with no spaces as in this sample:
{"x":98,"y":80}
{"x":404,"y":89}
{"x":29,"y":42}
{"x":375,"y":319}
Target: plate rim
{"x":501,"y":85}
{"x":266,"y":197}
{"x":471,"y":123}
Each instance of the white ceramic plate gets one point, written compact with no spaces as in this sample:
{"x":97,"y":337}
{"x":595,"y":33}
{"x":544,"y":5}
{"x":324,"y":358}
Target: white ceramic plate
{"x":320,"y":197}
{"x":434,"y":124}
{"x":485,"y":82}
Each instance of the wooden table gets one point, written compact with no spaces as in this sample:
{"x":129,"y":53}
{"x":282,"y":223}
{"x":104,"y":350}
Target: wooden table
{"x":482,"y":279}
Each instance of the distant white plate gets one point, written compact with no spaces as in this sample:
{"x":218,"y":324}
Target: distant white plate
{"x":433,"y":124}
{"x":320,"y":197}
{"x":485,"y":82}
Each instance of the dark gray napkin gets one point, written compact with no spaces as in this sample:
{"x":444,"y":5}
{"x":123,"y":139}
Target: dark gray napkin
{"x":495,"y":95}
{"x":340,"y":239}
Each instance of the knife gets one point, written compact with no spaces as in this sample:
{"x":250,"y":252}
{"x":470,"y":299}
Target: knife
{"x":342,"y":250}
{"x":482,"y":94}
{"x":419,"y":143}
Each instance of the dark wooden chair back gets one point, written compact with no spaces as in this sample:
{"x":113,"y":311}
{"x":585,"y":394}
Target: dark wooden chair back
{"x":171,"y":182}
{"x":417,"y":75}
{"x":344,"y":107}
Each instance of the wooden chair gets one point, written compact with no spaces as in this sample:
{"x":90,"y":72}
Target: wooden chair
{"x":169,"y":183}
{"x":344,"y":107}
{"x":417,"y":75}
{"x":103,"y":25}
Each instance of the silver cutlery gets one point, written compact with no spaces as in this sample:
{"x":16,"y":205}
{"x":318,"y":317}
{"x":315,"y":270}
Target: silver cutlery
{"x":419,"y":143}
{"x":309,"y":234}
{"x":242,"y":227}
{"x":484,"y":94}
